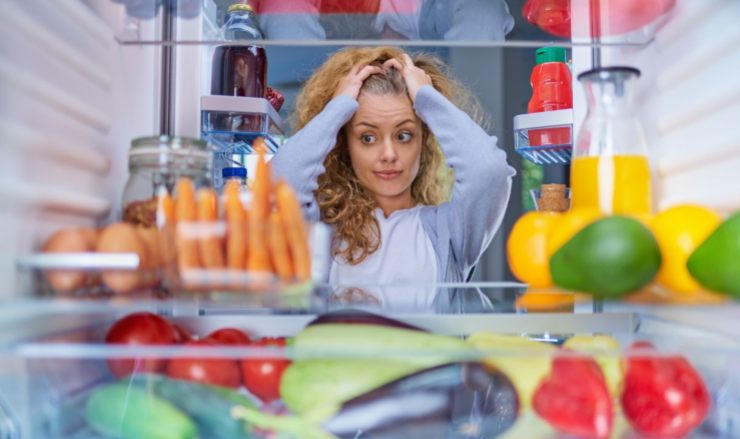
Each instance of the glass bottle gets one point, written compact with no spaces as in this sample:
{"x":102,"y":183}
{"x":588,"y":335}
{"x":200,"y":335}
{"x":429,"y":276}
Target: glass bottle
{"x":155,"y":165}
{"x":239,"y":70}
{"x":610,"y":169}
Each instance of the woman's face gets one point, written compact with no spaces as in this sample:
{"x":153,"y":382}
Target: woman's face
{"x":385,"y":141}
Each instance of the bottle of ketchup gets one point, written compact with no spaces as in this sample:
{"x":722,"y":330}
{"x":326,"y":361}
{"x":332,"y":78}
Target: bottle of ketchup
{"x":551,"y":90}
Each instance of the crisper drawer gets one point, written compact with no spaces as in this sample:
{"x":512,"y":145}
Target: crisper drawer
{"x":482,"y":365}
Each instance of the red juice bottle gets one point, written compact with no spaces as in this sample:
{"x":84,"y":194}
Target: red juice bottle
{"x":551,"y":90}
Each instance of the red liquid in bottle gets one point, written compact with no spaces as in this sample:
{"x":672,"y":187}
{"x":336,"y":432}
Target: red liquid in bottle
{"x":239,"y":71}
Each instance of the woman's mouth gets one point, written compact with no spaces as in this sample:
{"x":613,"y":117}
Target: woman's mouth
{"x":387,"y":175}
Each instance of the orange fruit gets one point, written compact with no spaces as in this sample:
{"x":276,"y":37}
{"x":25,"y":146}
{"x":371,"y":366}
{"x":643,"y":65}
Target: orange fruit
{"x":679,"y":230}
{"x":567,"y":225}
{"x":526,"y":248}
{"x":545,"y":300}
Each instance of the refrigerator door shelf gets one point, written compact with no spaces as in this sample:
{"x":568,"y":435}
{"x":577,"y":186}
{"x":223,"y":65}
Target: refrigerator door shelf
{"x":544,"y":138}
{"x":232,"y":123}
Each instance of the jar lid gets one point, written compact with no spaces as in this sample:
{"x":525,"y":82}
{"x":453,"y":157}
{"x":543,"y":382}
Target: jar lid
{"x":234,"y":172}
{"x":240,"y":7}
{"x":169,"y":144}
{"x":550,"y":54}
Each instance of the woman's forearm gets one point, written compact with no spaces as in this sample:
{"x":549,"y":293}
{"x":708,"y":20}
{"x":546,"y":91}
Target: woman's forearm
{"x":482,"y":176}
{"x":300,"y":160}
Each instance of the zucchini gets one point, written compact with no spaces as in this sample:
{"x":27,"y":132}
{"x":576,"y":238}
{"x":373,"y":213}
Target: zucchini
{"x":209,"y":406}
{"x":116,"y":410}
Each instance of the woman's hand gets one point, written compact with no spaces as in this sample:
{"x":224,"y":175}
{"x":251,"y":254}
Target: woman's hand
{"x":350,"y":85}
{"x":413,"y":76}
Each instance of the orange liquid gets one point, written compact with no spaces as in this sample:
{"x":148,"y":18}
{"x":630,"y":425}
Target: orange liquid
{"x":616,"y":184}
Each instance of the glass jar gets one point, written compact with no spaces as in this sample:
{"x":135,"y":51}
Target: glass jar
{"x":610,"y":169}
{"x":155,"y":165}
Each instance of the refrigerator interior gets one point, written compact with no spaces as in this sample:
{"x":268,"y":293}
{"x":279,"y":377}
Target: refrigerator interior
{"x":80,"y":79}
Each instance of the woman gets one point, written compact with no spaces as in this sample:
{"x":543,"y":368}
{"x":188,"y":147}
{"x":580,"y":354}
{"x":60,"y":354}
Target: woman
{"x":367,"y":160}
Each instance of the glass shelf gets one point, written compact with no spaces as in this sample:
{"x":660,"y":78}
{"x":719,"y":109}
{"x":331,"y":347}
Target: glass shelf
{"x":439,"y":23}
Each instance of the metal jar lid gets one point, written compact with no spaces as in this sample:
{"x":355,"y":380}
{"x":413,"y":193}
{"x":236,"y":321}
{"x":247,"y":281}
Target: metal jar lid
{"x":173,"y":146}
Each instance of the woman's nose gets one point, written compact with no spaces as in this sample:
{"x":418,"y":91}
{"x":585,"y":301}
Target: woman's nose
{"x":388,"y":154}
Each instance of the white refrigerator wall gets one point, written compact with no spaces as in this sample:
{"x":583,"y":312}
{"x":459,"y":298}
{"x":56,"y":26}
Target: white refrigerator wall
{"x":71,"y":98}
{"x":689,"y":103}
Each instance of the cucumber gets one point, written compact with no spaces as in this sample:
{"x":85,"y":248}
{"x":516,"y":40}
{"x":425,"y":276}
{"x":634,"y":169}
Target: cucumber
{"x":119,"y":411}
{"x":210,"y":407}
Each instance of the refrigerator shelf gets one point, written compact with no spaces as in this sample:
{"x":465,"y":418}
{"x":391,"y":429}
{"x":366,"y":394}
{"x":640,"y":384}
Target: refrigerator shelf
{"x":545,"y":138}
{"x":232,"y":123}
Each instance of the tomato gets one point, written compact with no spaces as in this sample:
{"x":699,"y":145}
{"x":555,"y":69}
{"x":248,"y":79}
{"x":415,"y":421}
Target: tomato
{"x":228,"y":336}
{"x":663,"y":396}
{"x":183,"y":335}
{"x":262,"y":375}
{"x":222,"y":372}
{"x":575,"y":399}
{"x":141,"y":328}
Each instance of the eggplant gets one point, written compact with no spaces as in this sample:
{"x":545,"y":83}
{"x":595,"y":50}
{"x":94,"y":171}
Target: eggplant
{"x":458,"y":400}
{"x":361,"y":317}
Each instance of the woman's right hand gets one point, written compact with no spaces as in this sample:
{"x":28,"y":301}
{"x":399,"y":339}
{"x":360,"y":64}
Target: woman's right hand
{"x":351,"y":84}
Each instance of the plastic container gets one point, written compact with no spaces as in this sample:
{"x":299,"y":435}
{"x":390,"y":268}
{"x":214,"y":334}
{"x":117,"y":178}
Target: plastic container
{"x":551,"y":91}
{"x":155,"y":165}
{"x":610,"y":170}
{"x":65,"y":362}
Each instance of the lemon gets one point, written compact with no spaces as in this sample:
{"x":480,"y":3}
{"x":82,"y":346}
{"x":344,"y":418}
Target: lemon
{"x":679,"y":231}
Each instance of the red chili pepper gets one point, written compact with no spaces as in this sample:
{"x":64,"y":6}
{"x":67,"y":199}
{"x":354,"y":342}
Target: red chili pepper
{"x":574,"y":398}
{"x":663,"y":396}
{"x":276,"y":98}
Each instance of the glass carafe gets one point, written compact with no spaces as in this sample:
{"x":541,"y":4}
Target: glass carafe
{"x":610,"y":168}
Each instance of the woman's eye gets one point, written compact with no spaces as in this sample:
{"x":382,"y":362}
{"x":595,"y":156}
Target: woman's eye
{"x":367,"y":139}
{"x":405,"y":136}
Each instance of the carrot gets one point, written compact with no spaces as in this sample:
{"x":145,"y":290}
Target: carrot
{"x":258,"y":256}
{"x":166,"y":224}
{"x":295,"y":230}
{"x":279,"y":247}
{"x":165,"y":208}
{"x":236,"y":241}
{"x":185,"y":213}
{"x":211,"y":250}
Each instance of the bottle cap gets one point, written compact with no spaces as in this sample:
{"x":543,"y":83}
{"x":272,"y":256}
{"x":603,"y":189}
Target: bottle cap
{"x":240,"y":7}
{"x":550,"y":54}
{"x":234,"y":173}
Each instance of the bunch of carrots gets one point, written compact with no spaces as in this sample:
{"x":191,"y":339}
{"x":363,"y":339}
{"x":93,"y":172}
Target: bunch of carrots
{"x":270,"y":236}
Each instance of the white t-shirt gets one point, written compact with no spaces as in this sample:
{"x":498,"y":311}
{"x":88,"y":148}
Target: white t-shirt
{"x":405,"y":257}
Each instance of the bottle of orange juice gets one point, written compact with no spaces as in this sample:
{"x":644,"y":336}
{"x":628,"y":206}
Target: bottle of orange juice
{"x":610,"y":169}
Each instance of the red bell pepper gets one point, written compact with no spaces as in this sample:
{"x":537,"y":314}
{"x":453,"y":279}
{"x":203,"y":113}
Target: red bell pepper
{"x":663,"y":396}
{"x":575,"y":399}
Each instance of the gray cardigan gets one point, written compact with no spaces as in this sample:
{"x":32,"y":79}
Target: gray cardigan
{"x":460,"y":229}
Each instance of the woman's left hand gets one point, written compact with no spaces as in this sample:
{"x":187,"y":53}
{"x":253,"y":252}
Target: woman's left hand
{"x":413,"y":76}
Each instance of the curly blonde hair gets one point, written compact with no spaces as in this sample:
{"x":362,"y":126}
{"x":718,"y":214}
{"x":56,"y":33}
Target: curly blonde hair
{"x":343,"y":201}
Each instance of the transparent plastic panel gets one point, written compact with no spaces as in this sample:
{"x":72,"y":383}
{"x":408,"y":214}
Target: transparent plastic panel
{"x":339,"y":371}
